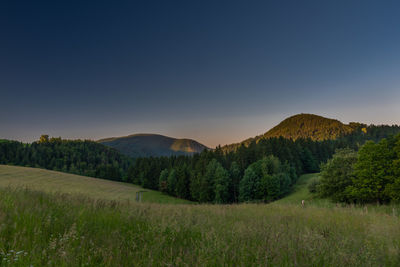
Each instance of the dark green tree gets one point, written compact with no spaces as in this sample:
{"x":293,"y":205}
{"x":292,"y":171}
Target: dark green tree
{"x":248,"y":185}
{"x":337,"y":175}
{"x":172,"y":182}
{"x":163,"y":181}
{"x":223,"y":185}
{"x":235,"y":175}
{"x":372,"y":172}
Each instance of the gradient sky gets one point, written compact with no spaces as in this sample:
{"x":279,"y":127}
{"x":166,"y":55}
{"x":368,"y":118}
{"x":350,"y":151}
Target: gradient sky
{"x":215,"y":71}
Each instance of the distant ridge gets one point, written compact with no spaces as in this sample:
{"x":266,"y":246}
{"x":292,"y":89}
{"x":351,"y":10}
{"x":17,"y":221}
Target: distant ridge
{"x":153,"y":145}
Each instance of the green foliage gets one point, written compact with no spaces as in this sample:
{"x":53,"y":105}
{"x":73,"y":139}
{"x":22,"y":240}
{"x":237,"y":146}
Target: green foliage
{"x":172,"y":181}
{"x":202,"y":176}
{"x":248,"y":185}
{"x":266,"y":180}
{"x":291,"y":158}
{"x":337,"y":174}
{"x":74,"y":156}
{"x":223,"y":184}
{"x":317,"y":128}
{"x":371,"y":176}
{"x":235,"y":175}
{"x":373,"y":171}
{"x":309,"y":126}
{"x":313,"y":186}
{"x":182,"y":183}
{"x":309,"y":162}
{"x":163,"y":186}
{"x":207,"y":182}
{"x":44,"y":139}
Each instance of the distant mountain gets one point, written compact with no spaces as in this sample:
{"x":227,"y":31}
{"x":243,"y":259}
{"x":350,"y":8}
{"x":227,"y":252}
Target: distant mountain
{"x":312,"y":126}
{"x":146,"y":145}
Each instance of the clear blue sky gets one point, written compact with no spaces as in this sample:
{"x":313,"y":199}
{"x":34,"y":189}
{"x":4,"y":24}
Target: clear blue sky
{"x":215,"y":71}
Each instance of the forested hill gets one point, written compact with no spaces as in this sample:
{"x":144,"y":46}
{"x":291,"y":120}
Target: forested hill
{"x":311,"y":126}
{"x":73,"y":156}
{"x":318,"y":128}
{"x":147,"y":145}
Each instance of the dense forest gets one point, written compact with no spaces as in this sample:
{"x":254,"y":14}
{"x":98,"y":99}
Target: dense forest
{"x":245,"y":173}
{"x":310,"y":125}
{"x":370,"y":175}
{"x":73,"y":156}
{"x":303,"y":126}
{"x":263,"y":169}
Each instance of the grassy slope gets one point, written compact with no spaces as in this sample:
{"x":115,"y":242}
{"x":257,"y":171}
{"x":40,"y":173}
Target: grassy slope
{"x":300,"y":191}
{"x":66,"y":230}
{"x":52,"y":181}
{"x":69,"y":230}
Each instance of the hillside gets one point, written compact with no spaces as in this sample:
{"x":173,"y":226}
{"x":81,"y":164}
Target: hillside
{"x":41,"y":229}
{"x":53,"y":181}
{"x":311,"y":126}
{"x":146,"y":145}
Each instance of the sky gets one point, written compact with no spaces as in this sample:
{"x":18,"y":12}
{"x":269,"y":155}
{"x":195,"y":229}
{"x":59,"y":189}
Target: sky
{"x":218,"y":72}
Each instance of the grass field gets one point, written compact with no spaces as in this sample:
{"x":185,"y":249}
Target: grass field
{"x":54,"y":229}
{"x":300,"y":191}
{"x":52,"y":181}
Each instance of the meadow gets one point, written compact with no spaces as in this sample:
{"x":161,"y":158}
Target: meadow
{"x":53,"y":181}
{"x":59,"y":229}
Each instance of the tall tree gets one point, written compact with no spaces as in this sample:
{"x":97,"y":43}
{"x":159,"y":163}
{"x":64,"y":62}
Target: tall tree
{"x":248,"y":185}
{"x":337,"y":175}
{"x":373,"y":171}
{"x":223,"y":185}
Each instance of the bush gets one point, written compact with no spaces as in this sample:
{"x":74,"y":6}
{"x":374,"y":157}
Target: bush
{"x":313,"y":186}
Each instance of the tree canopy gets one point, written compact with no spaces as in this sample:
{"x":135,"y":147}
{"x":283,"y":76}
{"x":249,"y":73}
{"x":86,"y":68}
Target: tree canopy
{"x":371,"y":175}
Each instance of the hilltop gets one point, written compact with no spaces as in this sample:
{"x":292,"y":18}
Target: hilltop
{"x":315,"y":127}
{"x":312,"y":126}
{"x":146,"y":145}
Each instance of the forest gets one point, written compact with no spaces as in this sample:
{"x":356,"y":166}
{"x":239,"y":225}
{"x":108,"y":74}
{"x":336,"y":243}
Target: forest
{"x":262,"y":170}
{"x":73,"y":156}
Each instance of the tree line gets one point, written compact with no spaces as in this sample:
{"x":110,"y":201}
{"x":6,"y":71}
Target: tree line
{"x":73,"y":156}
{"x":370,"y":175}
{"x":262,"y":171}
{"x":240,"y":173}
{"x":259,"y":170}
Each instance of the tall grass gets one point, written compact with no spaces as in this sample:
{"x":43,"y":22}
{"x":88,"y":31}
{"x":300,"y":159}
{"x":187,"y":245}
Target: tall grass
{"x":53,"y":229}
